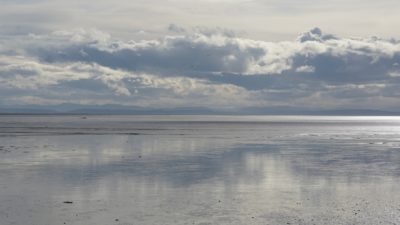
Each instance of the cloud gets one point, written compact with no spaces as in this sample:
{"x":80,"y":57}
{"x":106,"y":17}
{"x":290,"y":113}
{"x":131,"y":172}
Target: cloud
{"x":175,"y":28}
{"x":305,"y":69}
{"x":215,"y":51}
{"x":315,"y":34}
{"x":204,"y":67}
{"x":30,"y":81}
{"x":125,"y":18}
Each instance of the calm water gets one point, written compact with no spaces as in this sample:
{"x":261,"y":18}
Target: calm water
{"x":199,"y":170}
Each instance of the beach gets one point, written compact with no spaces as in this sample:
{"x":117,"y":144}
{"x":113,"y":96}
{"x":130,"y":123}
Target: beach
{"x":142,"y":170}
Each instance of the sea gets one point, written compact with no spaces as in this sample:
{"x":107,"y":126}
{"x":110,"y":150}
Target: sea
{"x":186,"y":169}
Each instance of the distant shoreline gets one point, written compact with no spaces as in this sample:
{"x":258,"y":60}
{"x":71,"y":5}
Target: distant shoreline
{"x":187,"y":114}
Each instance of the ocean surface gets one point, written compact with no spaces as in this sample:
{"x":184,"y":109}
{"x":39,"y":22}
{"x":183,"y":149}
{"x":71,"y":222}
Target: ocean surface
{"x":104,"y":170}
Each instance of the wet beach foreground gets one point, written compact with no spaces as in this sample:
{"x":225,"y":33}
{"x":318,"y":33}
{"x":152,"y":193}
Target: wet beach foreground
{"x":199,"y":170}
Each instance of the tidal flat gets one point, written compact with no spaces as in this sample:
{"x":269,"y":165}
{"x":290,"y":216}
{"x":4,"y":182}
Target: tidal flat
{"x":145,"y":170}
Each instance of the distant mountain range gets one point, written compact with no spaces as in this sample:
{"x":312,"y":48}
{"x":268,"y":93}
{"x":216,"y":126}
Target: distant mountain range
{"x":132,"y":110}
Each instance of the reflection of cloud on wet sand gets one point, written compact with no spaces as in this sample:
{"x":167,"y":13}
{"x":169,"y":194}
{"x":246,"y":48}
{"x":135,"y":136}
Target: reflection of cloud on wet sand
{"x":275,"y":172}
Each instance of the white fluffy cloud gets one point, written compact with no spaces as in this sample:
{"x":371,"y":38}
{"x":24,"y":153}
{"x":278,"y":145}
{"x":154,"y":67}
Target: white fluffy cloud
{"x":212,"y":68}
{"x":216,"y":51}
{"x":27,"y":81}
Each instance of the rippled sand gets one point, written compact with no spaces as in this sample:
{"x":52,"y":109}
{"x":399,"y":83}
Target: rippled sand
{"x":199,"y":170}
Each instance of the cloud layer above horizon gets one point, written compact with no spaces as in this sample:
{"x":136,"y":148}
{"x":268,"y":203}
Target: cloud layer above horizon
{"x":200,"y":67}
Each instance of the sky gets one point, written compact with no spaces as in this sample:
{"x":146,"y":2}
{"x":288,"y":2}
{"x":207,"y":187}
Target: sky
{"x":218,"y":54}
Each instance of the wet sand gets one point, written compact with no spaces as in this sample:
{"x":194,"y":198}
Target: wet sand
{"x":199,"y":170}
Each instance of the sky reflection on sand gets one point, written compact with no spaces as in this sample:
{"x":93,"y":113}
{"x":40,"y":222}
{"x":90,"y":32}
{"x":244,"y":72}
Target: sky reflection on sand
{"x":274,"y":172}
